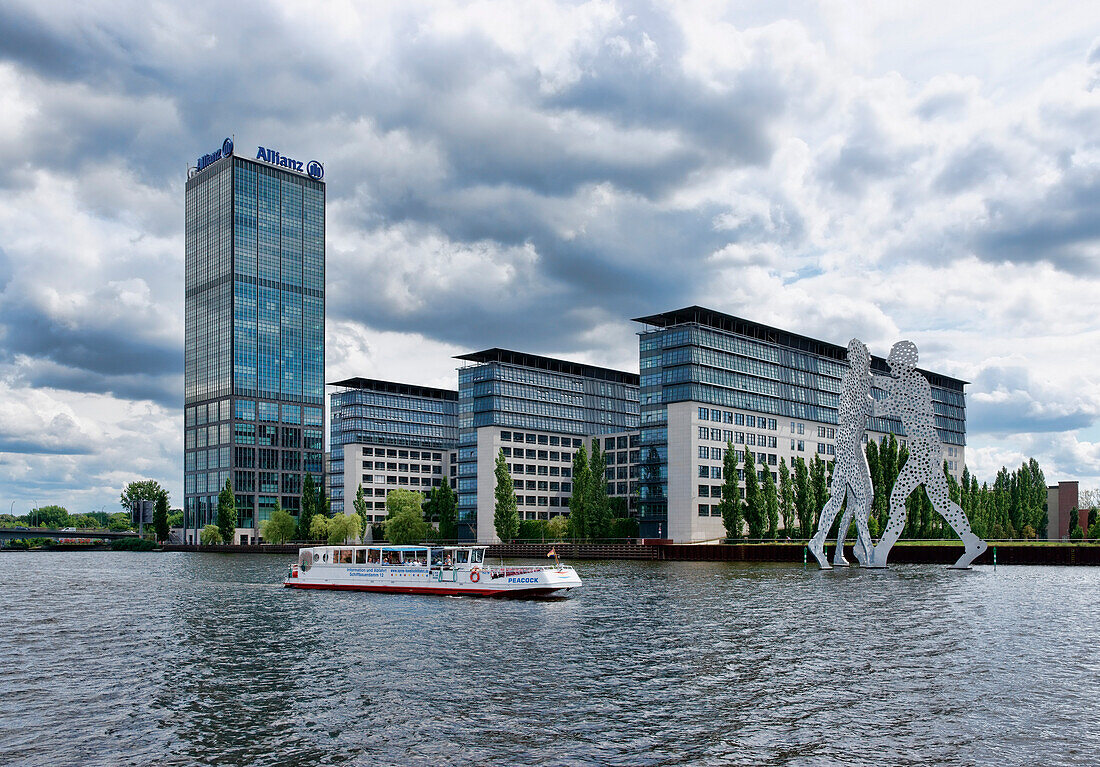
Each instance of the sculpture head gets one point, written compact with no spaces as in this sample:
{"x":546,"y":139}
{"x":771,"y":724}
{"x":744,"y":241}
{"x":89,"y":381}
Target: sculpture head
{"x":858,"y":356}
{"x":903,"y":357}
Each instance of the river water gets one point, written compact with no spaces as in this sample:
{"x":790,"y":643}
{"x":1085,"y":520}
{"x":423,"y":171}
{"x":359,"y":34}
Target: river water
{"x":171,"y":658}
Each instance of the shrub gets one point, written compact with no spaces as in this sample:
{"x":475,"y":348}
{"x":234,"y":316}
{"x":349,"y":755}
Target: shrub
{"x":557,"y":528}
{"x":132,"y":544}
{"x":532,"y":530}
{"x":624,"y":527}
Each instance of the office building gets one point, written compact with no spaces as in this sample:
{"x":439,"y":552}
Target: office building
{"x":539,"y":411}
{"x":386,"y":435}
{"x":1062,"y":505}
{"x":254,"y":356}
{"x":709,"y":379}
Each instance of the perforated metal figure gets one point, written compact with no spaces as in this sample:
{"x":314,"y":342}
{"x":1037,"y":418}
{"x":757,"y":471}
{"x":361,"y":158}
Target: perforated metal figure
{"x":909,"y":398}
{"x":851,"y":476}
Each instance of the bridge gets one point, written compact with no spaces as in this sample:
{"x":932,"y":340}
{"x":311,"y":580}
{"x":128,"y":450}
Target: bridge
{"x":14,"y":533}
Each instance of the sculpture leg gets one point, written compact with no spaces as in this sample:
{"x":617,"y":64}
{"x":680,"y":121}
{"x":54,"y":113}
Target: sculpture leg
{"x":940,"y":497}
{"x":817,"y":543}
{"x":839,"y":560}
{"x":906,"y":482}
{"x":859,"y":502}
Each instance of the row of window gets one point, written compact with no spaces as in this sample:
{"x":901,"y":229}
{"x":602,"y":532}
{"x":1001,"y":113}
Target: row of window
{"x":738,"y":437}
{"x":541,"y":455}
{"x":539,"y":439}
{"x":738,"y":419}
{"x":545,"y":471}
{"x":621,"y":472}
{"x":621,"y":442}
{"x":545,"y":487}
{"x":393,"y":479}
{"x":415,"y":468}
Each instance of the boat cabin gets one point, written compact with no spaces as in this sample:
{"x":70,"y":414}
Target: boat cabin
{"x":441,"y":557}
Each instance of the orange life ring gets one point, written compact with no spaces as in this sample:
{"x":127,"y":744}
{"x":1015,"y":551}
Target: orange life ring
{"x":475,"y":576}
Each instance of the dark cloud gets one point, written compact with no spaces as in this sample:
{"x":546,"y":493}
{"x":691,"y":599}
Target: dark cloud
{"x":1061,"y":227}
{"x":970,"y":167}
{"x":1006,"y":400}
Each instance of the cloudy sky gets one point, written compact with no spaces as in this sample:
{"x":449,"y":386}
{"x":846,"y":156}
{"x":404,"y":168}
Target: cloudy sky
{"x":533,"y":174}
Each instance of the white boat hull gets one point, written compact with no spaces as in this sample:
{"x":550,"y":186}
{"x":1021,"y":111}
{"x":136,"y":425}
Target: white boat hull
{"x":398,"y":579}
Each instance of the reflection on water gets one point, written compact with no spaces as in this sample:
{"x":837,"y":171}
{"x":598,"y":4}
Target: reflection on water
{"x":122,"y":658}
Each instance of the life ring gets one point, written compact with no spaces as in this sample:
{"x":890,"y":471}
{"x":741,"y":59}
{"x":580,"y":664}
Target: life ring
{"x":475,"y":576}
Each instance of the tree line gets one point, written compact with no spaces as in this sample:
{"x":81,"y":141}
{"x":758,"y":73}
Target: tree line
{"x":1014,"y":506}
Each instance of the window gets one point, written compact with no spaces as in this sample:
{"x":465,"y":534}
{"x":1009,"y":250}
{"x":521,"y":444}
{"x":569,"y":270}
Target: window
{"x":727,"y":416}
{"x":792,"y":444}
{"x":716,"y":415}
{"x":739,"y":438}
{"x":704,"y":451}
{"x":831,"y":449}
{"x":801,"y":428}
{"x":506,"y":435}
{"x":555,"y":441}
{"x":773,"y":459}
{"x":555,"y":455}
{"x":704,"y":414}
{"x":716,"y":453}
{"x":792,"y":427}
{"x":704,"y":491}
{"x":750,"y":439}
{"x":716,"y":434}
{"x":704,"y":432}
{"x":801,"y":444}
{"x":715,"y":472}
{"x":704,"y":472}
{"x":821,"y":447}
{"x":750,"y":421}
{"x":773,"y":442}
{"x":772,"y":425}
{"x":830,"y":433}
{"x":739,"y":419}
{"x":704,"y":509}
{"x":821,"y":432}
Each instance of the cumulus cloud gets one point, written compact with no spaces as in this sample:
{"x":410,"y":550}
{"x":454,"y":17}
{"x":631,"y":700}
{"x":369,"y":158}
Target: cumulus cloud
{"x":532,"y":175}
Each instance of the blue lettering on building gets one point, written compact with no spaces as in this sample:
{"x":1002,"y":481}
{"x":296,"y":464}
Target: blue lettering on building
{"x":314,"y":169}
{"x":209,"y":159}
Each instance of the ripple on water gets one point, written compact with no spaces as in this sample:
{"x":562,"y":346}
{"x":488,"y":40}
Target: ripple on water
{"x":122,"y":658}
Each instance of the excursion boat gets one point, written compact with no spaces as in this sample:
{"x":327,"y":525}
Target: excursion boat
{"x":459,"y":570}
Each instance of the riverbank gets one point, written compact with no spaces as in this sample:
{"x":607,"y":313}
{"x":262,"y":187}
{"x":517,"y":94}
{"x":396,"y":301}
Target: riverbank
{"x":906,"y":552}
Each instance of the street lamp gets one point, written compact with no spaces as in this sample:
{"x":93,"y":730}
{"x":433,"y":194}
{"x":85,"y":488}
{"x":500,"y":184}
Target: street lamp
{"x":37,"y":514}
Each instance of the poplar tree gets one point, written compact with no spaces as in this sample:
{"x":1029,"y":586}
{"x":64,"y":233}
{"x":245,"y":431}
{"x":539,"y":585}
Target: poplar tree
{"x":730,"y":506}
{"x":599,"y":516}
{"x":786,"y":497}
{"x":803,"y":498}
{"x":818,"y":488}
{"x":446,"y":507}
{"x":579,"y":522}
{"x":755,"y":516}
{"x":308,"y":508}
{"x":505,"y":516}
{"x":360,"y":505}
{"x":160,"y":517}
{"x":771,"y":505}
{"x":227,"y":513}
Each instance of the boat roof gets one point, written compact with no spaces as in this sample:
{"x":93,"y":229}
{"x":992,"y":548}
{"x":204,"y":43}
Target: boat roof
{"x":419,"y":547}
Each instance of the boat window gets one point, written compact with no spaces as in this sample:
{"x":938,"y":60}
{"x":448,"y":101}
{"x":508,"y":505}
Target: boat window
{"x":316,"y":557}
{"x":305,"y":561}
{"x":324,"y":557}
{"x":478,"y":555}
{"x":360,"y":556}
{"x":372,"y":556}
{"x":437,"y":557}
{"x":462,"y":556}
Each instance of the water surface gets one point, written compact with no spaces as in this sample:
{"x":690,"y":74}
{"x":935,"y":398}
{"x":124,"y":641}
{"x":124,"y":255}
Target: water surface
{"x":172,"y":658}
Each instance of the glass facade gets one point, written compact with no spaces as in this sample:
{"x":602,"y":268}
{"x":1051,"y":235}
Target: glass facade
{"x":254,"y":338}
{"x":697,"y":355}
{"x":539,"y":394}
{"x":380,"y":413}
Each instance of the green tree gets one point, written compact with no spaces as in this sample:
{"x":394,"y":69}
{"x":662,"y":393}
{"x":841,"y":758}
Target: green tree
{"x":318,"y":528}
{"x":1075,"y":531}
{"x":160,"y":517}
{"x":446,"y":506}
{"x":344,"y":528}
{"x":557,"y":528}
{"x":227,"y":513}
{"x":599,"y":515}
{"x":755,"y":514}
{"x":579,"y":518}
{"x":145,"y":490}
{"x":360,"y":505}
{"x":308,"y":508}
{"x":210,"y":536}
{"x":53,"y":517}
{"x":403,"y":500}
{"x":280,"y":528}
{"x":786,"y":497}
{"x":730,"y":505}
{"x":505,"y":515}
{"x":405,"y":524}
{"x":771,"y":505}
{"x":175,"y":518}
{"x":1094,"y":530}
{"x":818,"y":486}
{"x":119,"y":522}
{"x":803,"y":498}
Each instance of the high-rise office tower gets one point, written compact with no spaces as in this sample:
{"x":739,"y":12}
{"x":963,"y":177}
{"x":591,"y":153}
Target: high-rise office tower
{"x":254,"y":354}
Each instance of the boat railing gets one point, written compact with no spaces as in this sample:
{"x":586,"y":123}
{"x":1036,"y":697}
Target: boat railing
{"x":504,"y":572}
